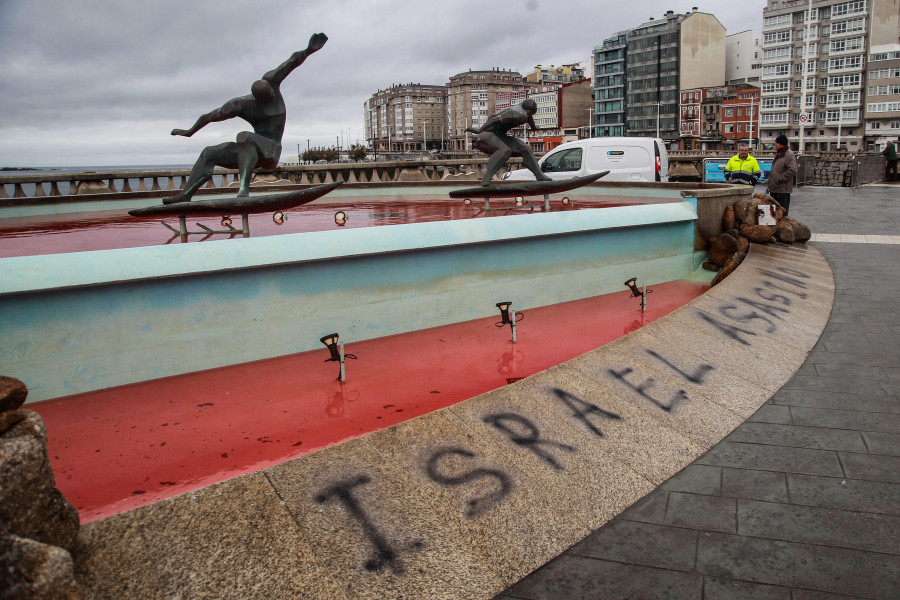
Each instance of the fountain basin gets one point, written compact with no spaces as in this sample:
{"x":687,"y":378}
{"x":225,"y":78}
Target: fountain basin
{"x":90,"y":320}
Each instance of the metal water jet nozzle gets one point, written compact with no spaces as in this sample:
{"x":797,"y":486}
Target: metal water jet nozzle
{"x":508,"y":317}
{"x":337,"y":352}
{"x":635,"y":292}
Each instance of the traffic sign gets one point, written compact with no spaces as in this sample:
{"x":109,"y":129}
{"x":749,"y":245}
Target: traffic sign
{"x":804,"y":118}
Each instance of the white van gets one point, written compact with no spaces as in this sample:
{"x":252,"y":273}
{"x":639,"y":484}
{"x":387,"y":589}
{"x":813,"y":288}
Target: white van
{"x":626,"y":159}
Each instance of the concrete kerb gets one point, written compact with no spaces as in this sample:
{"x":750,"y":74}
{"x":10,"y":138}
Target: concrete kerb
{"x":462,"y":502}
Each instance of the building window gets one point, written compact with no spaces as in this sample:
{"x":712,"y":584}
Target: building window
{"x":848,"y":8}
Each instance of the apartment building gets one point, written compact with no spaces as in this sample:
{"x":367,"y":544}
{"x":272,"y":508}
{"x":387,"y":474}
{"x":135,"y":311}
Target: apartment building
{"x":471,"y":99}
{"x":815,"y":86}
{"x":609,"y":86}
{"x":882,"y":108}
{"x":743,"y":58}
{"x":564,"y":74}
{"x":677,"y":52}
{"x":575,"y":108}
{"x":407,"y":117}
{"x":700,"y":118}
{"x":740,"y":116}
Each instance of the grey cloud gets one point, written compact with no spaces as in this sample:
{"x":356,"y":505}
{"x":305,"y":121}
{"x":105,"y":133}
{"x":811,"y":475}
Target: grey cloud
{"x":87,"y":82}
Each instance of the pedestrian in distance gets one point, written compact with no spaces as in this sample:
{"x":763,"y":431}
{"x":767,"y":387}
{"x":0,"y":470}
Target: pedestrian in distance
{"x":890,"y":168}
{"x":784,"y":170}
{"x":742,"y":168}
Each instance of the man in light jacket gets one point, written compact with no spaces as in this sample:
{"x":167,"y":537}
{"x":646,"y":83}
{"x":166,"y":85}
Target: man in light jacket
{"x":784,"y":169}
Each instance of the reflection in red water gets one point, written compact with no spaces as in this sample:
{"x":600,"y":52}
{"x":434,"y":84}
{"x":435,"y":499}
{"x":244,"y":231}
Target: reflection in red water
{"x":125,"y":447}
{"x":55,"y":234}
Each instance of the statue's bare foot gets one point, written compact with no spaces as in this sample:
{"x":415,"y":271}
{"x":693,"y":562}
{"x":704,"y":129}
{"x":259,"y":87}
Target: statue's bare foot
{"x":243,"y":194}
{"x":174,"y":199}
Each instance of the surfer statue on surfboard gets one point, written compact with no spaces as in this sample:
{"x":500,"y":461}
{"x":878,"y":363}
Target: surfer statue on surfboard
{"x":265,"y":110}
{"x":491,"y":138}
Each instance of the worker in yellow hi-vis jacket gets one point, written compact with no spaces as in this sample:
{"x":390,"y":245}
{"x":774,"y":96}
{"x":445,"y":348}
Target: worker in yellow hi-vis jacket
{"x":742,"y":168}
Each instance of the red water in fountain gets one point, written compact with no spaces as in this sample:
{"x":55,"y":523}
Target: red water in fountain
{"x":79,"y":232}
{"x":125,"y":447}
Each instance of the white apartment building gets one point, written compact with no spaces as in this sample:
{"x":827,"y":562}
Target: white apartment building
{"x":743,"y":58}
{"x":814,"y":70}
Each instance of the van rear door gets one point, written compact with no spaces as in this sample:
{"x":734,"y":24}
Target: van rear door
{"x":662,"y":161}
{"x":625,"y":161}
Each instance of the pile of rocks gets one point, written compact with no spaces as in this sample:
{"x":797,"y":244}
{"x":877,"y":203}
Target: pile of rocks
{"x":741,"y":225}
{"x":38,"y":526}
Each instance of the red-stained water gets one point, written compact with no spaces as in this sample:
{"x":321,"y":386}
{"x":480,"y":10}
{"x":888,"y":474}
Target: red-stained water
{"x":125,"y":447}
{"x":78,"y":232}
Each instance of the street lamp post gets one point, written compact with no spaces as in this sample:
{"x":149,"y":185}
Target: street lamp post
{"x":467,"y":135}
{"x":424,"y":135}
{"x":657,"y":119}
{"x":840,"y":115}
{"x":803,"y":79}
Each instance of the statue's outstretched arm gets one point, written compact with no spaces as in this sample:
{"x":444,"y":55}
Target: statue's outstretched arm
{"x":277,"y":75}
{"x":223,"y":113}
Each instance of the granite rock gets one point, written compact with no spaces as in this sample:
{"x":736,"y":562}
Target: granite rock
{"x":30,"y":504}
{"x":759,"y":234}
{"x":728,"y":218}
{"x":12,"y":393}
{"x":729,"y":268}
{"x":722,"y":248}
{"x":30,"y":570}
{"x":784,"y":232}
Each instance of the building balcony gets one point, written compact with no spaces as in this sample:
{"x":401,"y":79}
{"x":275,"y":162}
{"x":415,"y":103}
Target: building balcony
{"x":838,"y":88}
{"x":845,"y":71}
{"x":844,"y":105}
{"x":779,"y":44}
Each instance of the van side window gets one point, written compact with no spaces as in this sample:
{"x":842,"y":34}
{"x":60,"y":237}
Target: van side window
{"x":567,"y":160}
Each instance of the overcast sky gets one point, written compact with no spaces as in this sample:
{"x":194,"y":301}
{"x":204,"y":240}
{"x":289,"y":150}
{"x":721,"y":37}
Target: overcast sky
{"x":103,"y":82}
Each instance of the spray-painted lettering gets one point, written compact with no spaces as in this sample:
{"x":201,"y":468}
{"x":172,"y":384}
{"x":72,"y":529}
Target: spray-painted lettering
{"x":643,"y":387}
{"x":523,"y":432}
{"x":726,"y":328}
{"x":582,"y":409}
{"x":474,"y":506}
{"x":696,"y":377}
{"x":385,"y":554}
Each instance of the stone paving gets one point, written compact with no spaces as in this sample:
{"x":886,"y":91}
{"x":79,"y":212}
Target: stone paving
{"x":802,"y":500}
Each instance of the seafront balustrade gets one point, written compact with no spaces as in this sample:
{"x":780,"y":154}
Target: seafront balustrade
{"x":684,"y":165}
{"x":157,"y":182}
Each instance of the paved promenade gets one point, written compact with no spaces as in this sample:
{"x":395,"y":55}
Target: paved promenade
{"x":802,"y":501}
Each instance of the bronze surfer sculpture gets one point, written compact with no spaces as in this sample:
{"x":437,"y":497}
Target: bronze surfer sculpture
{"x":491,"y":138}
{"x":265,"y":110}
